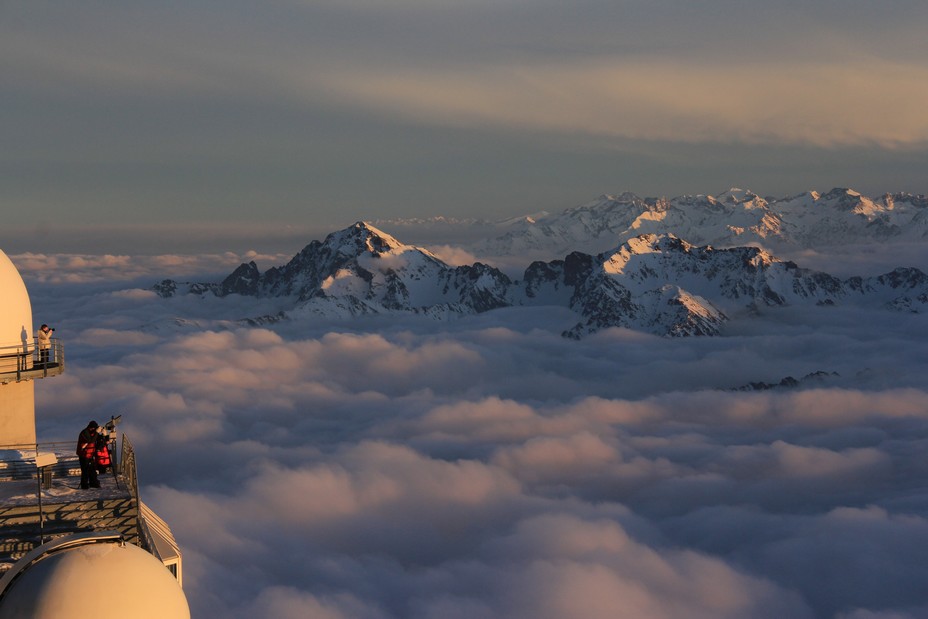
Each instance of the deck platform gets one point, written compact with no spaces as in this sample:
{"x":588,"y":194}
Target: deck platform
{"x":34,"y":510}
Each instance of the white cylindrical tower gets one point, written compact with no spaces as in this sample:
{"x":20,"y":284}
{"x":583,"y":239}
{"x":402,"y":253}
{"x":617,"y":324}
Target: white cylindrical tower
{"x":17,"y":399}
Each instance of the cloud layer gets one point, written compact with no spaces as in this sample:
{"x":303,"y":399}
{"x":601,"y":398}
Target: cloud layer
{"x":800,"y":86}
{"x":817,"y":104}
{"x":490,"y":468}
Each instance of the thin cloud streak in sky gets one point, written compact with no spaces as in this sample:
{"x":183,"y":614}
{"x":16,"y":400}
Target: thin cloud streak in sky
{"x":823,"y":105}
{"x":824,"y":100}
{"x":834,"y":96}
{"x":866,"y":102}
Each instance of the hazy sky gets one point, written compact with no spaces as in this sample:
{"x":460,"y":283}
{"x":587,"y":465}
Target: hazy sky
{"x":288,"y":115}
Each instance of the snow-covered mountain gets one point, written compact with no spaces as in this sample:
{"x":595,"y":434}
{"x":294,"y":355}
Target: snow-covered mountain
{"x":733,"y":218}
{"x":662,"y":284}
{"x":657,"y":283}
{"x":363,"y":270}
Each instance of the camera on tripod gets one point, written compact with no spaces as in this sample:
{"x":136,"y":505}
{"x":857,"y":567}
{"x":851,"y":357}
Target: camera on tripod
{"x":108,"y":429}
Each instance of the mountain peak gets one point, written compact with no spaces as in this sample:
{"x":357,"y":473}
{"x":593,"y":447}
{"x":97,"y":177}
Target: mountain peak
{"x":745,"y":198}
{"x":733,"y":194}
{"x":616,"y":261}
{"x":652,"y":243}
{"x":359,"y":238}
{"x":841,"y":192}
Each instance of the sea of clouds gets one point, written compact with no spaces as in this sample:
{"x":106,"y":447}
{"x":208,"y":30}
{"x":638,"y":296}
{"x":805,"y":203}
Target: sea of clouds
{"x":400,"y":468}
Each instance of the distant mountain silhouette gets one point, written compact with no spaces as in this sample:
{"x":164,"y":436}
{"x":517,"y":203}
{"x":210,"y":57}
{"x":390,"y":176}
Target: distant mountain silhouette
{"x":656,"y":283}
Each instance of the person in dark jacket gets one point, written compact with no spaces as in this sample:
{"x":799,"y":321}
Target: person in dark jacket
{"x":86,"y":449}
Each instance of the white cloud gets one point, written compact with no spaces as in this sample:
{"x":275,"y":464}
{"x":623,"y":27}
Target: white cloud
{"x":106,"y":269}
{"x":113,"y":337}
{"x":290,"y":603}
{"x":490,"y":468}
{"x":455,"y":256}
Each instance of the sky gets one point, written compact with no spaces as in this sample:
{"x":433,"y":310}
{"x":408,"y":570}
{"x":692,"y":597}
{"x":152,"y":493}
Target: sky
{"x":203,"y":124}
{"x":486,"y":467}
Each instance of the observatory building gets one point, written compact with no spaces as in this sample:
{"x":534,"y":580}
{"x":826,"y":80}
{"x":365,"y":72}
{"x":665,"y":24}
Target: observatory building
{"x":66,"y":551}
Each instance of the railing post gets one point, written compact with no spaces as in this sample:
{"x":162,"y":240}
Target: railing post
{"x":38,"y":490}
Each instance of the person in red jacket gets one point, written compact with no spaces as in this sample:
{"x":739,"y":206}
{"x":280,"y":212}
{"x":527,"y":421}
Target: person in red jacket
{"x":86,"y":449}
{"x":102,"y":454}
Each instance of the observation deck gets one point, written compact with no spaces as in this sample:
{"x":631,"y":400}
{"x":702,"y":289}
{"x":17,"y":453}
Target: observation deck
{"x":40,"y":501}
{"x":25,"y":361}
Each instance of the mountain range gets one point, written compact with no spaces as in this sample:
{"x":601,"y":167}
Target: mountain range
{"x":734,"y":218}
{"x":658,"y":283}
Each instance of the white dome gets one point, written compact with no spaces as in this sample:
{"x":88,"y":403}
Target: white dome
{"x":101,"y":580}
{"x":17,"y":400}
{"x":15,"y":308}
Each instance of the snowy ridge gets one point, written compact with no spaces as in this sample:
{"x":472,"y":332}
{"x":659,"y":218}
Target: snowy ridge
{"x":734,"y":218}
{"x":656,"y":283}
{"x":362,"y":270}
{"x":703,"y":285}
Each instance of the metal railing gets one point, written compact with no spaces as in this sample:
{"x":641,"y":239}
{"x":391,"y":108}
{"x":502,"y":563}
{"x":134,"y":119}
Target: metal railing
{"x":29,"y":519}
{"x":25,"y":361}
{"x":125,"y":466}
{"x":154,"y":534}
{"x":24,"y":467}
{"x":26,"y":523}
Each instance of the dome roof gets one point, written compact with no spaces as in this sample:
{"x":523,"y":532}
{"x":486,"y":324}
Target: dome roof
{"x":99,"y":580}
{"x":15,"y":308}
